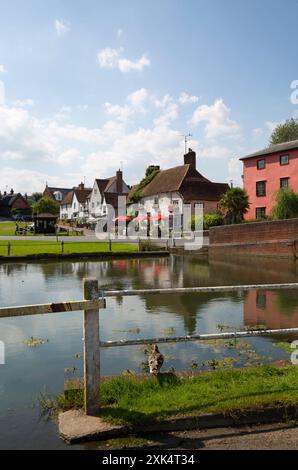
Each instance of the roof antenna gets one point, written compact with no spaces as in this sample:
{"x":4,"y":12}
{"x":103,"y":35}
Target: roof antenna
{"x":186,"y":139}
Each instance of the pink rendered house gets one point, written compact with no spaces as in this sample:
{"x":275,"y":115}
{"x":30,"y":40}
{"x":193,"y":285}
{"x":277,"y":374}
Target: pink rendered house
{"x":265,"y":172}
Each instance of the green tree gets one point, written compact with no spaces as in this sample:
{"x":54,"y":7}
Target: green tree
{"x":150,"y":174}
{"x":285,"y":132}
{"x":286,"y":204}
{"x":234,"y":204}
{"x":35,"y":197}
{"x":46,"y":205}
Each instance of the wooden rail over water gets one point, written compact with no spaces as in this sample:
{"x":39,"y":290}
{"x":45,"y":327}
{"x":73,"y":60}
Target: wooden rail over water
{"x":95,"y":299}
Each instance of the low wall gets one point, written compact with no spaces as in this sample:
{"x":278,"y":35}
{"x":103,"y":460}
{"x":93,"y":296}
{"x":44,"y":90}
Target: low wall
{"x":274,"y":238}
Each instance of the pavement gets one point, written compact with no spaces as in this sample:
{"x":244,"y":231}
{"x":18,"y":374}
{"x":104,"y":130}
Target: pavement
{"x":280,"y":436}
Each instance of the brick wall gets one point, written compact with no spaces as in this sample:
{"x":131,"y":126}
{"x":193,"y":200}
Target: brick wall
{"x":275,"y":238}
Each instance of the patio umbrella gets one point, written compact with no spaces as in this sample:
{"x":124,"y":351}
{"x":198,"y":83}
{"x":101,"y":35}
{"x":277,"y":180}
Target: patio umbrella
{"x":159,"y":217}
{"x":123,"y":218}
{"x":141,"y":218}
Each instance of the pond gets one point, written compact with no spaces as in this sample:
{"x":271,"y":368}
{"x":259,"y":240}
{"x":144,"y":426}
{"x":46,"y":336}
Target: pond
{"x":30,"y":371}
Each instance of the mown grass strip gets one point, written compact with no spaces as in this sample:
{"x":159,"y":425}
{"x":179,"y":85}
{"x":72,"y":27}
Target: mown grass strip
{"x":31,"y":247}
{"x":130,"y":401}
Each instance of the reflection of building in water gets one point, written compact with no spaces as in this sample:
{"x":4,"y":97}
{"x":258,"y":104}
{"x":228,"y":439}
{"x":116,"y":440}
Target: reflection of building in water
{"x":273,"y":309}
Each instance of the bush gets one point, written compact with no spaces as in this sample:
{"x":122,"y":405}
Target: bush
{"x":147,"y":245}
{"x":209,"y":220}
{"x":286,"y":204}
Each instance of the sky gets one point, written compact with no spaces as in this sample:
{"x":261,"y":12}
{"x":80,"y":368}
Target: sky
{"x":87,"y":87}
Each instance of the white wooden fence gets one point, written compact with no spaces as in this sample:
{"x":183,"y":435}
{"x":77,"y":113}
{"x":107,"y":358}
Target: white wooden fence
{"x":94,"y":300}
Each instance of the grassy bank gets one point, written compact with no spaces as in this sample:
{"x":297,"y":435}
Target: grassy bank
{"x":7,"y":229}
{"x":28,"y":247}
{"x":127,"y":400}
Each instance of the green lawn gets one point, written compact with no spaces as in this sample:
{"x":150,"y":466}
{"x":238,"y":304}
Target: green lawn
{"x":7,"y":229}
{"x":127,"y":400}
{"x":28,"y":247}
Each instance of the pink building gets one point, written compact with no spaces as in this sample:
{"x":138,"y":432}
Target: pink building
{"x":265,"y":172}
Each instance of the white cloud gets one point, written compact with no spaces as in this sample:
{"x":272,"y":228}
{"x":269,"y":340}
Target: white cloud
{"x":126,"y":65}
{"x":108,"y":58}
{"x":138,"y":97}
{"x":2,"y":93}
{"x":113,"y":58}
{"x":23,"y":103}
{"x":2,"y":69}
{"x":50,"y":146}
{"x":271,"y":125}
{"x":184,"y":98}
{"x":235,"y":171}
{"x":217,"y":118}
{"x":215,"y":152}
{"x":62,"y":27}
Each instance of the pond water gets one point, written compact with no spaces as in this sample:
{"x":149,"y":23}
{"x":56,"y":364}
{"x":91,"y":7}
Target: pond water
{"x":31,"y":371}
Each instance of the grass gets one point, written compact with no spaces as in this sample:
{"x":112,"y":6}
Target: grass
{"x":126,"y":400}
{"x":31,"y":247}
{"x":7,"y":229}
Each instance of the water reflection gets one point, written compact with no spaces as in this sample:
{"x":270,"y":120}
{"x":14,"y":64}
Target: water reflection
{"x":30,"y":371}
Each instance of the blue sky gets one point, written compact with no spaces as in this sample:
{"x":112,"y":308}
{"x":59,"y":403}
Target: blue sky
{"x":88,"y":84}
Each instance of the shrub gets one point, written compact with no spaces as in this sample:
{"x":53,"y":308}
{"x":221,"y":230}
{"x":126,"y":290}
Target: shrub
{"x":209,"y":220}
{"x":286,"y":204}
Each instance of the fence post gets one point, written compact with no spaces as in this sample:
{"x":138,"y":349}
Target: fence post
{"x":110,"y":244}
{"x":8,"y":248}
{"x":62,"y":247}
{"x":91,"y":351}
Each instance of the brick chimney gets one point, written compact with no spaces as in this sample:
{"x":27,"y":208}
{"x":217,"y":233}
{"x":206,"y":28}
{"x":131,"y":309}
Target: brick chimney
{"x":119,"y":182}
{"x":190,"y":159}
{"x":81,"y":186}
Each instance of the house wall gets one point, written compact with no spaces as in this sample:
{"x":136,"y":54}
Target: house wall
{"x":266,"y":308}
{"x":95,"y":202}
{"x":164,"y":201}
{"x":274,"y":238}
{"x":271,"y":174}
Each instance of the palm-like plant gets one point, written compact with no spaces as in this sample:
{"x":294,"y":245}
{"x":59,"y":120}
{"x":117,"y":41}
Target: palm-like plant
{"x":234,"y":204}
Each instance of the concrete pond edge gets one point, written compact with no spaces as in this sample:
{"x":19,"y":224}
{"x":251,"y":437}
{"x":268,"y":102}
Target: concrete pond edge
{"x":75,"y":427}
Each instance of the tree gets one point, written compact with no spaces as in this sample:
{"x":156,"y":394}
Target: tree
{"x":285,"y":132}
{"x":150,"y":174}
{"x":286,"y":204}
{"x":35,"y":197}
{"x":234,"y":204}
{"x":46,"y":205}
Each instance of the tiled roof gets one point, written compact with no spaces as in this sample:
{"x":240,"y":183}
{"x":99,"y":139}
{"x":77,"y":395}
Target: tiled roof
{"x":293,"y":144}
{"x":192,"y":190}
{"x":171,"y":180}
{"x":52,"y":190}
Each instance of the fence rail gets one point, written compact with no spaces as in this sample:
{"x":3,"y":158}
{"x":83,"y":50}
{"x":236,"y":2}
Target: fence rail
{"x":94,"y":300}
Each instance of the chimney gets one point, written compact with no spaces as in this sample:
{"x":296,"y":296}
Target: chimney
{"x":81,"y":186}
{"x":119,"y":182}
{"x":190,"y":159}
{"x":11,"y":191}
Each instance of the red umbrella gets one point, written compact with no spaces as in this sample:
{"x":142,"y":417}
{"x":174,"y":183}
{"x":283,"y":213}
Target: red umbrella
{"x":123,"y":218}
{"x":141,"y":217}
{"x":159,"y":217}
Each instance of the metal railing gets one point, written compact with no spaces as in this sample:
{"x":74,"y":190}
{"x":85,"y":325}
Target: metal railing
{"x":95,"y":299}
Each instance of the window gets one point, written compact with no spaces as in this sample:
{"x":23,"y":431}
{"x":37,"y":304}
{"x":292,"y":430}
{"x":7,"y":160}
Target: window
{"x":176,"y":202}
{"x":284,"y":182}
{"x":261,"y":164}
{"x":261,"y":188}
{"x":260,"y":212}
{"x":284,"y":159}
{"x":156,"y":201}
{"x":261,"y":300}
